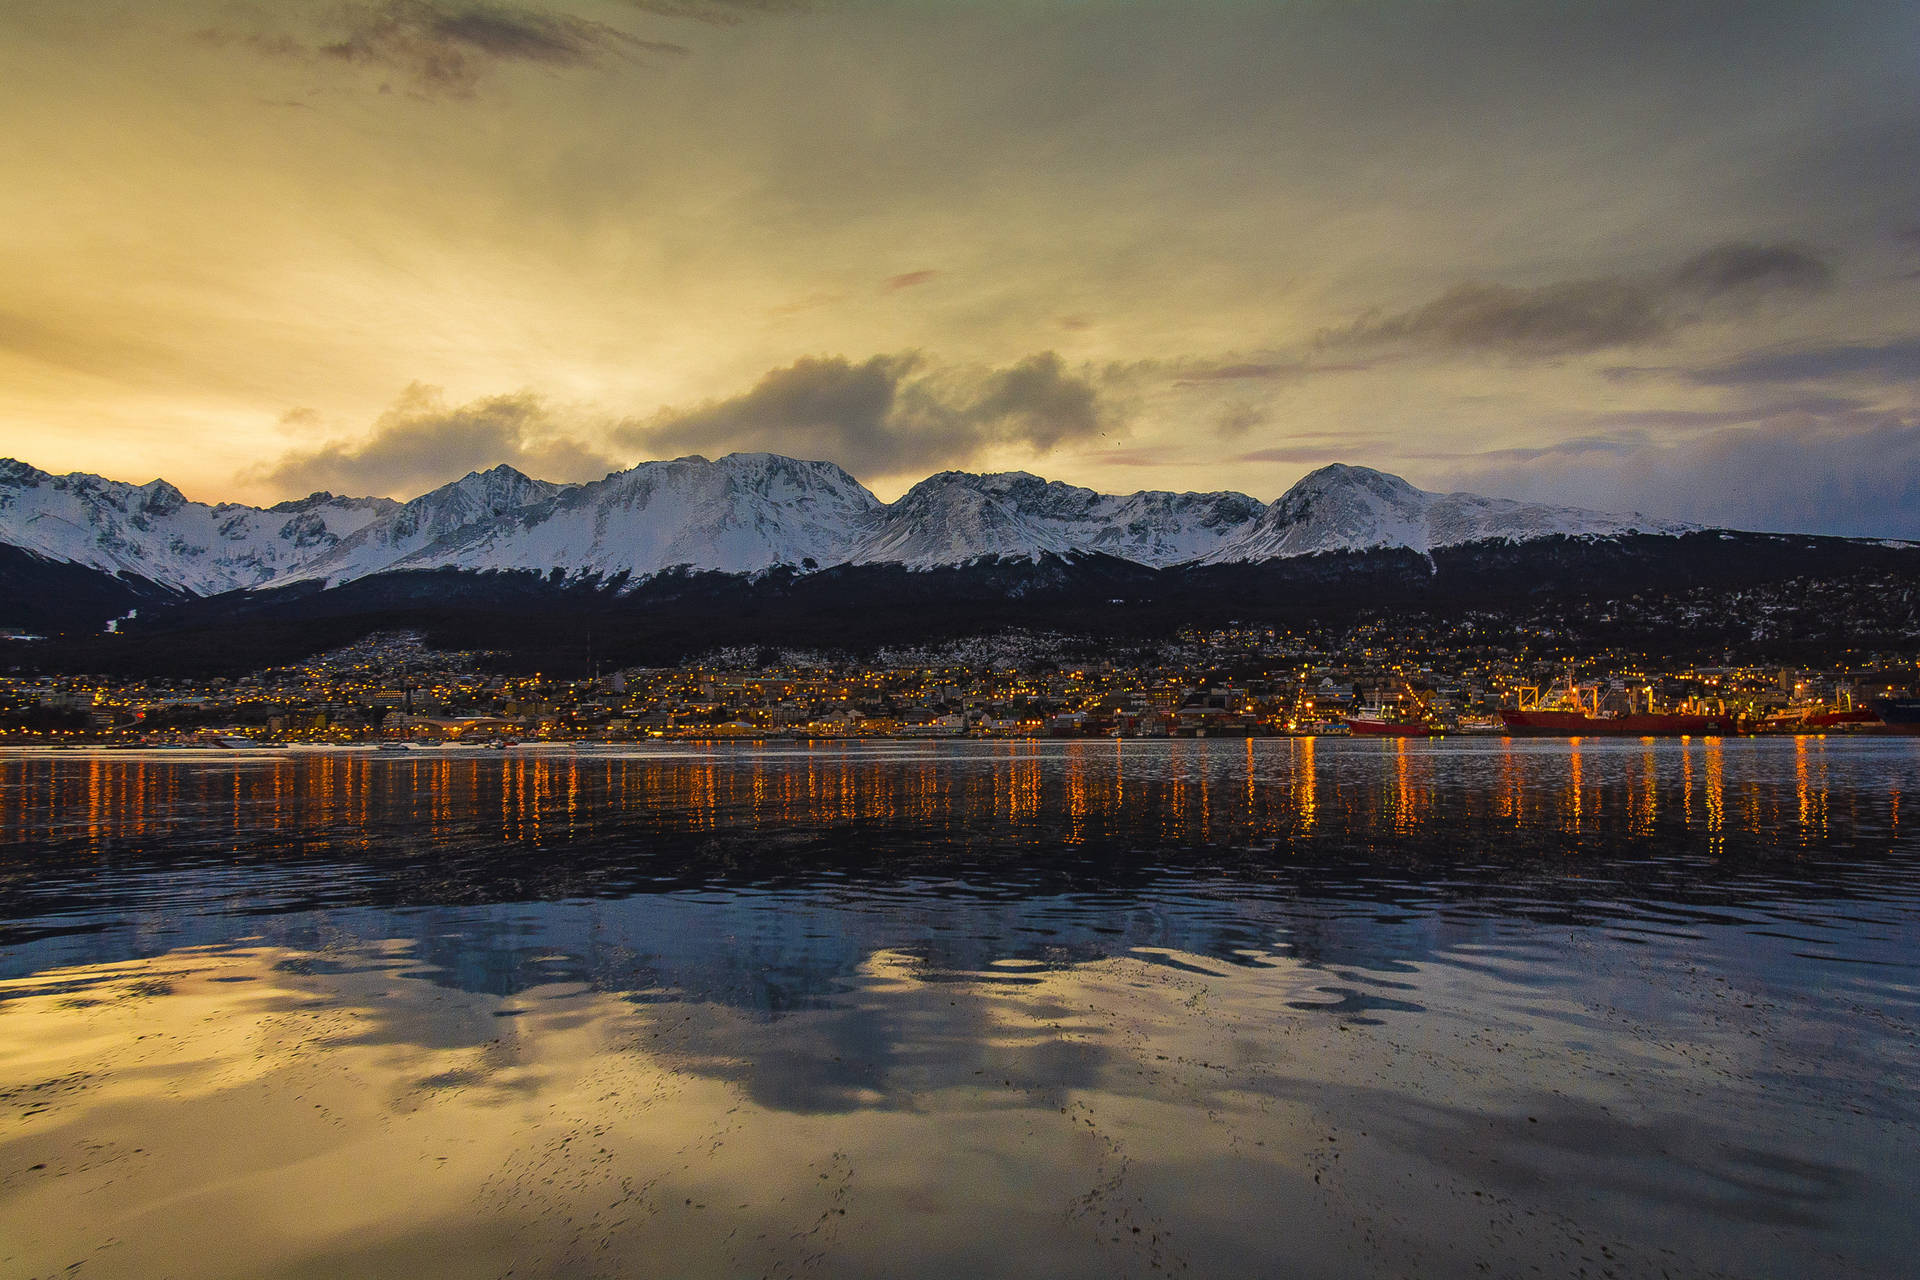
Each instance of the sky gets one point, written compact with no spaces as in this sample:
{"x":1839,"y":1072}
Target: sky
{"x":1661,"y":257}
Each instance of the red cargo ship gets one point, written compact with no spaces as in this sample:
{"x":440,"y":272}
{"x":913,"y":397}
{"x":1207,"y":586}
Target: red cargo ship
{"x":1606,"y":724}
{"x":1573,"y":711}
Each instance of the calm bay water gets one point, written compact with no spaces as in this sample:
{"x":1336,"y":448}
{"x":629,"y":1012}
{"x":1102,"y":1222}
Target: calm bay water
{"x":1076,"y":1009}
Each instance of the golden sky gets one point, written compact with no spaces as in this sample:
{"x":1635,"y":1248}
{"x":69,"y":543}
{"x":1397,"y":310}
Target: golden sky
{"x":1660,"y":257}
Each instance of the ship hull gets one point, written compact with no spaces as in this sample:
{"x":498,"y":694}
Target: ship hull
{"x":1821,"y":721}
{"x":1836,"y":719}
{"x":1574,"y":724}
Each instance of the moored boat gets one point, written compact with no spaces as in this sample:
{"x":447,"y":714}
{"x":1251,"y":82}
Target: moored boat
{"x":1571,"y":710}
{"x":1541,"y":723}
{"x":1900,"y":715}
{"x":1839,"y":718}
{"x":1817,"y":717}
{"x":1390,"y":722}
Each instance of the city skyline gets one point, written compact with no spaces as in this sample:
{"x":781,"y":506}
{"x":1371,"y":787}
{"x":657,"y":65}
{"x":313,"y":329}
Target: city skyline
{"x":1660,"y":259}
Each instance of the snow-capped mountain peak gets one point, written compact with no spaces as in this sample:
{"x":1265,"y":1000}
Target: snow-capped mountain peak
{"x":158,"y":498}
{"x":326,"y":498}
{"x":477,"y":499}
{"x":957,"y":516}
{"x":954,"y":517}
{"x":737,"y":514}
{"x":155,"y":532}
{"x":1349,"y":508}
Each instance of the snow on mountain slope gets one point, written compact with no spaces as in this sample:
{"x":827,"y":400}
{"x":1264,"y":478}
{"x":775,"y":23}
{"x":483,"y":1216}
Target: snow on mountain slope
{"x":480,"y":498}
{"x":153,"y":531}
{"x":951,"y":518}
{"x":739,"y":514}
{"x":1152,"y":527}
{"x":957,"y":516}
{"x":1345,"y":508}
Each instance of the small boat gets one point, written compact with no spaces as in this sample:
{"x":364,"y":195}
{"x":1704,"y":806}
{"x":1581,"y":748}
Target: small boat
{"x":1390,"y":722}
{"x":395,"y":746}
{"x":1839,"y":717}
{"x":1815,"y":717}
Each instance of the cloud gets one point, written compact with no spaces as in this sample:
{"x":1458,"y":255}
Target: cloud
{"x":266,"y":44}
{"x":1620,"y":445}
{"x":1897,"y":361}
{"x":70,"y":342}
{"x":1312,"y":454}
{"x":1577,"y":315}
{"x":1242,"y":372}
{"x":888,"y":414}
{"x":422,"y":442}
{"x":1237,"y":419}
{"x":1730,"y":268}
{"x":718,"y":13}
{"x":1035,"y":401}
{"x":906,"y":280}
{"x":1572,"y":316}
{"x":1856,"y":474}
{"x":811,"y":302}
{"x":1135,"y":458}
{"x":445,"y":47}
{"x":1671,"y":420}
{"x":1193,"y":371}
{"x":1622,"y":431}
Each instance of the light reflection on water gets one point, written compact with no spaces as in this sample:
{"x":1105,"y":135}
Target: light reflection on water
{"x":1047,"y":1009}
{"x":1198,"y":791}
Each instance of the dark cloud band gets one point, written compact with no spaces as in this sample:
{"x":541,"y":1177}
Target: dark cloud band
{"x":889,"y":414}
{"x":445,"y":47}
{"x":422,"y":442}
{"x":1572,"y":316}
{"x":1884,"y":362}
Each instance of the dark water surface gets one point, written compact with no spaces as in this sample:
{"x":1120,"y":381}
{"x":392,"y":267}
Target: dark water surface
{"x":1207,"y":1008}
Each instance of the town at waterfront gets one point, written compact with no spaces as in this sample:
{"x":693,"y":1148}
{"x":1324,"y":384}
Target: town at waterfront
{"x":393,"y":688}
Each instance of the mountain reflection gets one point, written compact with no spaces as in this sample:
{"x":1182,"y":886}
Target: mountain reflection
{"x":391,"y":1106}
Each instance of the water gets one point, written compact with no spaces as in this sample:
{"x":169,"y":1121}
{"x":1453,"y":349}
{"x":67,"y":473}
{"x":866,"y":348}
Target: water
{"x":1052,"y":1009}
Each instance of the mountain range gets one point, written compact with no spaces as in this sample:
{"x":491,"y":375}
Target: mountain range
{"x":744,"y":513}
{"x":667,"y":561}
